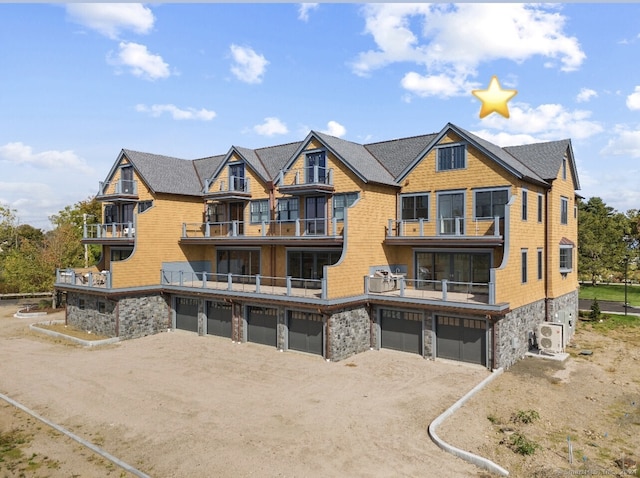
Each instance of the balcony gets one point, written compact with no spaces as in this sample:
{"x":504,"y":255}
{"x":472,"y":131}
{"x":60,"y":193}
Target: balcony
{"x":302,"y":231}
{"x":112,"y":233}
{"x":311,"y":180}
{"x":443,"y":231}
{"x":122,"y":189}
{"x":233,"y":189}
{"x":233,"y":284}
{"x":89,"y":278}
{"x":430,"y":291}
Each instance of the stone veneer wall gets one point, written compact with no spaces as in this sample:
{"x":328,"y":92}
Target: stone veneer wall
{"x":516,"y":325}
{"x":127,"y":318}
{"x":349,"y":333}
{"x":428,"y":336}
{"x":567,"y":303}
{"x":89,"y":318}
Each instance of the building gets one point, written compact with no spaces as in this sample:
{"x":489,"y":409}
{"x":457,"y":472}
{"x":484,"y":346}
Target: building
{"x":444,"y":245}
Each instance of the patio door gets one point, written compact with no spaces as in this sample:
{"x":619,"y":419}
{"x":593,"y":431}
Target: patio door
{"x":450,"y":208}
{"x":236,"y":213}
{"x":236,"y":177}
{"x":315,"y":215}
{"x":126,"y":176}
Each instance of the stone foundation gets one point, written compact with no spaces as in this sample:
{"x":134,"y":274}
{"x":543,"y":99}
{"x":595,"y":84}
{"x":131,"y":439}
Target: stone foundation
{"x":349,"y":333}
{"x":128,"y":318}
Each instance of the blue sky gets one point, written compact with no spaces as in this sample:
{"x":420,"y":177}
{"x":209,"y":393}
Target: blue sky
{"x":80,"y":82}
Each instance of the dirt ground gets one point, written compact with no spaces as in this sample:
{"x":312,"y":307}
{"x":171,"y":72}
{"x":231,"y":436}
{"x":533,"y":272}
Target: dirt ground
{"x":179,"y":405}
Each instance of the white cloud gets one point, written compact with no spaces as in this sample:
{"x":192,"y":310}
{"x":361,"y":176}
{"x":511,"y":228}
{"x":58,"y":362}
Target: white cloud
{"x":142,"y":63}
{"x":453,"y":40}
{"x":304,"y":9}
{"x":633,"y":100}
{"x":110,"y":19}
{"x":625,"y":142}
{"x":19,"y":153}
{"x":543,"y":123}
{"x":248,"y":65}
{"x":271,"y":127}
{"x":436,"y":85}
{"x":177,"y":113}
{"x":335,"y":129}
{"x":585,"y":95}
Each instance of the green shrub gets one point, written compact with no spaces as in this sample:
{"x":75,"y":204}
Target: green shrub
{"x":595,"y":310}
{"x":525,"y":416}
{"x":522,"y":445}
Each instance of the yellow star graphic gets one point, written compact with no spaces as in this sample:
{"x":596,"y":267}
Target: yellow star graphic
{"x":494,"y":98}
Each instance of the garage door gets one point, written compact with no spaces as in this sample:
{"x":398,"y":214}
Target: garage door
{"x":219,"y":319}
{"x":187,"y":314}
{"x":262,"y":326}
{"x":401,"y":331}
{"x":461,"y":339}
{"x":305,"y":332}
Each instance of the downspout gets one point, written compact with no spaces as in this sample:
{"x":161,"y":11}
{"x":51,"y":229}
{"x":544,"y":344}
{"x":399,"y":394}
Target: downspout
{"x":547,"y":251}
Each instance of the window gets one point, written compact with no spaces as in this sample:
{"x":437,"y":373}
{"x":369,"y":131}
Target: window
{"x":316,"y":167}
{"x":564,"y":168}
{"x":452,"y":157}
{"x":81,"y":304}
{"x":564,"y":211}
{"x":215,"y":212}
{"x":120,"y":254}
{"x":415,"y":207}
{"x":490,"y":204}
{"x":288,"y":209}
{"x":102,"y":307}
{"x":540,"y":270}
{"x":236,"y":177}
{"x":540,"y":206}
{"x":525,"y":201}
{"x":524,"y":266}
{"x":260,"y":211}
{"x":144,"y":205}
{"x":110,"y":214}
{"x":566,"y":259}
{"x":340,"y":201}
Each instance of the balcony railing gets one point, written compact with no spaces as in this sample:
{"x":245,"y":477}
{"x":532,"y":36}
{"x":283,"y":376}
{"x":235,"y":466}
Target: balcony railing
{"x":84,"y":278}
{"x":121,"y":187}
{"x":257,"y":284}
{"x":442,"y":290}
{"x":298,"y":228}
{"x":122,"y":230}
{"x":445,"y":226}
{"x":314,"y":175}
{"x":230,"y":185}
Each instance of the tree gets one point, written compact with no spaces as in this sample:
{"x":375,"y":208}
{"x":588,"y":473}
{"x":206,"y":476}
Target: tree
{"x":88,"y":211}
{"x":601,"y":233}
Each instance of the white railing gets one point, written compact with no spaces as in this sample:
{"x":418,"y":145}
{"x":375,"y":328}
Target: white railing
{"x":299,"y":227}
{"x":311,"y":175}
{"x":455,"y":226}
{"x":85,"y":278}
{"x":232,"y":184}
{"x":445,"y":290}
{"x":112,"y":230}
{"x":257,"y":284}
{"x":121,"y":186}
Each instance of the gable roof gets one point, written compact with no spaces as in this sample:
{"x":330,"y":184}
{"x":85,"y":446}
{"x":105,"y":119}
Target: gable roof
{"x":546,"y":158}
{"x":274,"y":158}
{"x":164,"y":174}
{"x":395,"y":155}
{"x":205,"y":167}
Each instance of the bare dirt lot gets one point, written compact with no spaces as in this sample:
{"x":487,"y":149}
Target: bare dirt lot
{"x":179,"y":405}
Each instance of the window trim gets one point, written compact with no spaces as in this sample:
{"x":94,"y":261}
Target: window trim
{"x":485,"y":190}
{"x":524,"y":259}
{"x":451,"y":146}
{"x":288,"y":200}
{"x":564,"y":210}
{"x":540,"y":207}
{"x":525,"y":204}
{"x":144,"y":206}
{"x":564,"y":167}
{"x":422,"y":194}
{"x":540,"y":255}
{"x":566,"y":270}
{"x":260,"y":212}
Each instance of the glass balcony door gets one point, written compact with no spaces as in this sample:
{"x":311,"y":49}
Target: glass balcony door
{"x":450,"y":212}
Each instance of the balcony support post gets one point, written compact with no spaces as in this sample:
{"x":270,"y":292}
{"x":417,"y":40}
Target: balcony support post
{"x":444,"y":289}
{"x":297,"y":227}
{"x":257,"y":283}
{"x":323,"y":294}
{"x":204,"y":280}
{"x":264,"y":228}
{"x":288,"y":286}
{"x":421,"y":222}
{"x":457,"y":219}
{"x":184,"y":229}
{"x":401,"y":287}
{"x":181,"y":279}
{"x":229,"y":282}
{"x":496,"y":226}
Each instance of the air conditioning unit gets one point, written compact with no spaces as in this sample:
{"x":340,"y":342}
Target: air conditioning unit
{"x":550,"y":337}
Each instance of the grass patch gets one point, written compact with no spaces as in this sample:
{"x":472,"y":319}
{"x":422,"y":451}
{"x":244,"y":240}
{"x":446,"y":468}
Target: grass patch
{"x":616,"y":321}
{"x":71,"y":331}
{"x":610,"y":292}
{"x":522,"y":445}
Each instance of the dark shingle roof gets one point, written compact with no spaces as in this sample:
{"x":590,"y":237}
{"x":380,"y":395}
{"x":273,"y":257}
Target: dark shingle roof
{"x":164,"y":174}
{"x":205,"y":167}
{"x":358,"y":159}
{"x":544,"y":158}
{"x":274,"y":158}
{"x":397,"y":154}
